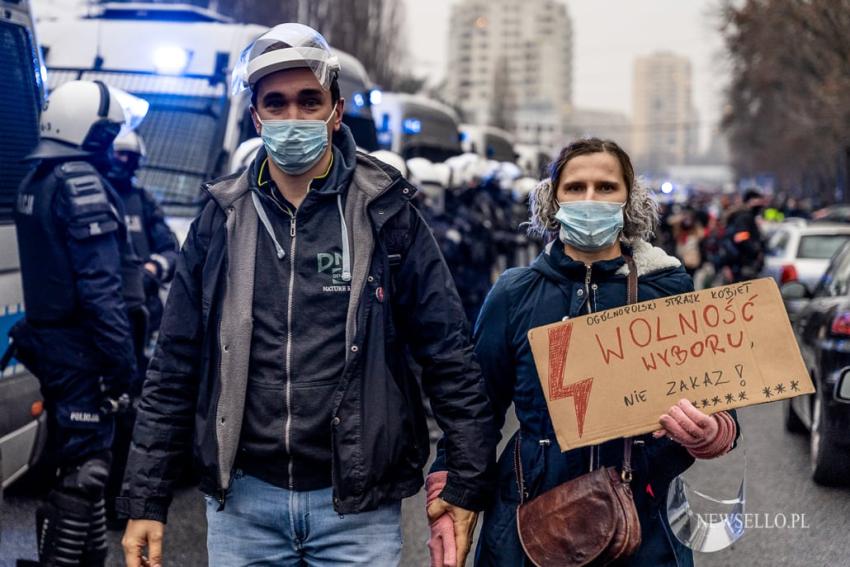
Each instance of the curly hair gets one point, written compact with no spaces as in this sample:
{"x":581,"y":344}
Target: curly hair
{"x":641,"y":210}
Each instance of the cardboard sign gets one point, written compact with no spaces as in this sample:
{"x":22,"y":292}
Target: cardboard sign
{"x":612,"y":374}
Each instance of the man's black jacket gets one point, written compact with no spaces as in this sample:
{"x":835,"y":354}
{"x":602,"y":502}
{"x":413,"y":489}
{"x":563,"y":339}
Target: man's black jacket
{"x":193,"y":397}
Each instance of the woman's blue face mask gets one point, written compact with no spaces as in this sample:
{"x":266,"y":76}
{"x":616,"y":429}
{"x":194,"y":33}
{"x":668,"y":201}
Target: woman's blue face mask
{"x":296,"y":145}
{"x":590,"y":226}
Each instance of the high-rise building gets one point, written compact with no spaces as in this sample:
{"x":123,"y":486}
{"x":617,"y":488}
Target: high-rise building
{"x":606,"y":124}
{"x":510,"y":65}
{"x":664,"y":121}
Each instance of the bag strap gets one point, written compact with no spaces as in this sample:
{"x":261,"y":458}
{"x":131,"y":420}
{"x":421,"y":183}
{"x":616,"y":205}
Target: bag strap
{"x":631,"y":282}
{"x":631,"y":297}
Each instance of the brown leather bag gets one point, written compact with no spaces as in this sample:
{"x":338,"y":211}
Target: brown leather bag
{"x":590,"y":519}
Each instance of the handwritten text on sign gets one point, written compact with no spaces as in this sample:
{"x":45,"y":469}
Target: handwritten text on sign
{"x":611,"y":374}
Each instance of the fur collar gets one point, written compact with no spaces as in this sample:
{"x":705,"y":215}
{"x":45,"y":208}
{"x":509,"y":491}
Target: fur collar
{"x":649,"y":259}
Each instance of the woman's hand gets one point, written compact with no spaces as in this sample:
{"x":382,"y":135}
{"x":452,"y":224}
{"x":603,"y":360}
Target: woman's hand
{"x":687,"y":425}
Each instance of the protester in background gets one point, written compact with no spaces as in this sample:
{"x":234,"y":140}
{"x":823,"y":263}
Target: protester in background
{"x":688,"y":235}
{"x":601,"y":216}
{"x":743,"y":244}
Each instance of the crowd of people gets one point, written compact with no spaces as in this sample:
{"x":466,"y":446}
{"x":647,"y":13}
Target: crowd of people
{"x":723,"y":239}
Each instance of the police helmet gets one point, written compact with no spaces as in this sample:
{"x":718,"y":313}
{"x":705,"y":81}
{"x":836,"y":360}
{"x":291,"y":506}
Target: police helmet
{"x":392,"y":159}
{"x":83,"y":118}
{"x":130,"y":143}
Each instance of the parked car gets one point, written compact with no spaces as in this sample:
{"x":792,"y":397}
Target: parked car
{"x":822,"y":328}
{"x":799,"y":251}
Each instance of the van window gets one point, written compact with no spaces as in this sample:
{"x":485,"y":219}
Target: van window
{"x":19,"y":108}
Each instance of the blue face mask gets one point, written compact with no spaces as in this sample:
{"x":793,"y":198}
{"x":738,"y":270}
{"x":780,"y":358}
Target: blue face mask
{"x":296,"y":145}
{"x":590,"y":225}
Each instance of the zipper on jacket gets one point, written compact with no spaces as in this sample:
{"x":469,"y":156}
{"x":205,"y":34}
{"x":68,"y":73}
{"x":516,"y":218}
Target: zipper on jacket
{"x":288,"y":425}
{"x":587,"y":287}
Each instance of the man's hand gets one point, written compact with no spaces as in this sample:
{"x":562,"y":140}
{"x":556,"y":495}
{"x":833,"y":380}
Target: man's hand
{"x":464,"y":524}
{"x":138,"y":535}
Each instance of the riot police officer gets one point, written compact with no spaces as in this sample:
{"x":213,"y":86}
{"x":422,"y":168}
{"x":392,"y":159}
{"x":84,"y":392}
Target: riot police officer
{"x":77,"y":267}
{"x":153,"y":241}
{"x":157,"y":248}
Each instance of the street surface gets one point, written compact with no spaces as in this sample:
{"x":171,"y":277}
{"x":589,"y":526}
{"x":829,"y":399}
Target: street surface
{"x":778,"y":483}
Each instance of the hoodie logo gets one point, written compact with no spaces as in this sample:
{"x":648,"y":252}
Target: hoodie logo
{"x":330,"y":264}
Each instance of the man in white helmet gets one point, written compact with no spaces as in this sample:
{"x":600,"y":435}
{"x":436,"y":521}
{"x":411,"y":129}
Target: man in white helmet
{"x":281,"y":362}
{"x":79,"y":275}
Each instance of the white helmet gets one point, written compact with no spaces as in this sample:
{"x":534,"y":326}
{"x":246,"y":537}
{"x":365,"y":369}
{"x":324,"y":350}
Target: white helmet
{"x":130,"y":142}
{"x":285,"y":46}
{"x":430,"y":178}
{"x":84,"y":117}
{"x":467,"y":168}
{"x":522,"y":188}
{"x":443,"y":174}
{"x":392,"y":159}
{"x":421,"y":171}
{"x":245,"y":154}
{"x":508,"y":173}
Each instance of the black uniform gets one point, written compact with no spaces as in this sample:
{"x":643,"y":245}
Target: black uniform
{"x":77,"y":267}
{"x":472,"y":210}
{"x":152,"y":240}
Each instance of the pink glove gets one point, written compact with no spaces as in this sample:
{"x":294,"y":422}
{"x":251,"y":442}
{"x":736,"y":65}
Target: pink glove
{"x":722,"y":442}
{"x":442,"y":541}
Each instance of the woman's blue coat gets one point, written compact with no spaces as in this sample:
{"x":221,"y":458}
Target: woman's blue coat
{"x":553,"y":287}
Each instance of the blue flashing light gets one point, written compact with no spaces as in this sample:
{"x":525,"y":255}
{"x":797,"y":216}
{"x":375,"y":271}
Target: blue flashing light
{"x":375,"y":97}
{"x":359,"y":101}
{"x":666,"y":187}
{"x":385,"y":139}
{"x":170,"y":60}
{"x":463,"y":136}
{"x":412,"y":126}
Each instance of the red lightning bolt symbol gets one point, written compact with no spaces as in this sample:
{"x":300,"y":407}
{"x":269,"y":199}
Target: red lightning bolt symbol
{"x":559,"y":344}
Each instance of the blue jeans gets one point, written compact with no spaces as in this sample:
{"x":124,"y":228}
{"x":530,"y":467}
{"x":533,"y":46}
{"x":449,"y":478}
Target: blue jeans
{"x":262,"y":524}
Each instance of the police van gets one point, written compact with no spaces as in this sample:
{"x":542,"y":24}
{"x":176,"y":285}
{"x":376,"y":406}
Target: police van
{"x":178,"y":58}
{"x":23,"y":430}
{"x":488,"y":142}
{"x":416,"y":126}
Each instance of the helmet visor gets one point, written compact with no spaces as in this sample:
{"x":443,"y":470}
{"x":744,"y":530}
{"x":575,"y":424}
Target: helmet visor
{"x":287,"y":46}
{"x":135,"y":109}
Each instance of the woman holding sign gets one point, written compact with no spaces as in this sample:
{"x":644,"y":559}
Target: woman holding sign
{"x":602,"y":219}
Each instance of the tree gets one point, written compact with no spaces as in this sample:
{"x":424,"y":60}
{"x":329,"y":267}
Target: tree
{"x":788,"y":109}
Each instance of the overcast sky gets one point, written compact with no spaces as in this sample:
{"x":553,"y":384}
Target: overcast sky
{"x":607,"y":36}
